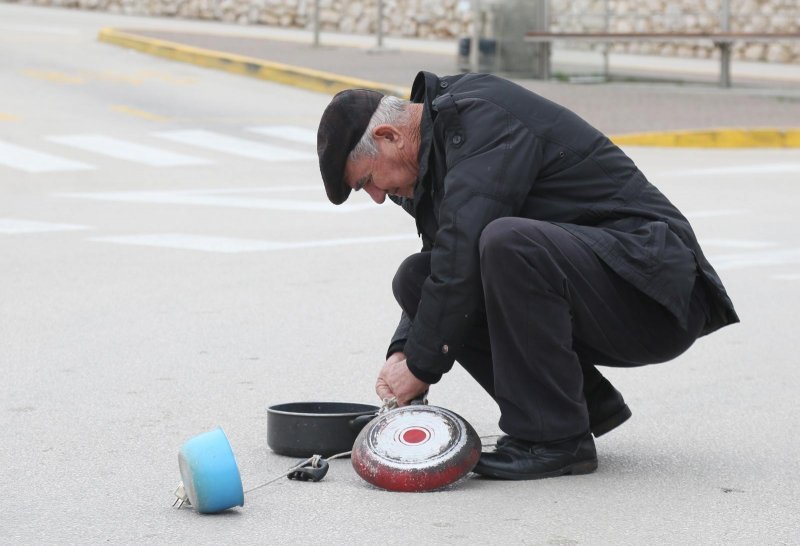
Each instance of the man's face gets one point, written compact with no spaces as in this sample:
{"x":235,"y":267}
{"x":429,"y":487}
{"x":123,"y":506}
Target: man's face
{"x":393,"y":171}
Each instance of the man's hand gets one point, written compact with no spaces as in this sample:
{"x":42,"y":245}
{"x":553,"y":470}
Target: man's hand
{"x":395,"y":379}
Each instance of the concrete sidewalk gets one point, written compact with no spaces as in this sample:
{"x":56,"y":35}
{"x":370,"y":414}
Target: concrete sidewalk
{"x":767,"y":115}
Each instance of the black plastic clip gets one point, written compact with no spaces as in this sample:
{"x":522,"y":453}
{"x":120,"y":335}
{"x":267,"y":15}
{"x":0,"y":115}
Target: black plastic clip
{"x":312,"y":471}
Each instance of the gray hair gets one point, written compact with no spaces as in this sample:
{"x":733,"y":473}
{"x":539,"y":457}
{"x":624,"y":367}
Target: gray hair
{"x":391,"y":110}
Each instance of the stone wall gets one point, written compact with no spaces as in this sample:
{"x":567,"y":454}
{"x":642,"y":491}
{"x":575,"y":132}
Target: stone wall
{"x":452,"y":18}
{"x":685,"y":16}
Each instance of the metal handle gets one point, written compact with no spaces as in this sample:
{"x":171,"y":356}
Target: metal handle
{"x":357,"y":423}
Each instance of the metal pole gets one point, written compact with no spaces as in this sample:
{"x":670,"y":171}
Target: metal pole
{"x":725,"y":16}
{"x":724,"y":64}
{"x":474,"y":50}
{"x":316,"y":23}
{"x":725,"y":47}
{"x":607,"y":45}
{"x":546,"y":50}
{"x":380,"y":24}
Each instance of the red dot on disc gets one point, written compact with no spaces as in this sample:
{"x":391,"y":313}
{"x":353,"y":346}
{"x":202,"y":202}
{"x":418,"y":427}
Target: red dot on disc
{"x":414,"y":436}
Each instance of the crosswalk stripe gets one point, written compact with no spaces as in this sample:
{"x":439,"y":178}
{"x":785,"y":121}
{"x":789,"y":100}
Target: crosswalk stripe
{"x":737,"y":243}
{"x":695,"y":214}
{"x":756,"y":259}
{"x":13,"y":226}
{"x":287,"y":132}
{"x":769,"y":168}
{"x":233,"y":198}
{"x":231,"y":245}
{"x":233,"y":145}
{"x":129,"y":151}
{"x":787,"y":277}
{"x":25,"y":159}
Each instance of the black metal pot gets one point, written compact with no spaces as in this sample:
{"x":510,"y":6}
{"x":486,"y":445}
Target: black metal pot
{"x":303,"y":429}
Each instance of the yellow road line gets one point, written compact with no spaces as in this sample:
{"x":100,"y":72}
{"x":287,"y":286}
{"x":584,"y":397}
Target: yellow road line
{"x":715,"y":138}
{"x":121,"y":108}
{"x":8,"y":117}
{"x":54,"y":76}
{"x":305,"y":78}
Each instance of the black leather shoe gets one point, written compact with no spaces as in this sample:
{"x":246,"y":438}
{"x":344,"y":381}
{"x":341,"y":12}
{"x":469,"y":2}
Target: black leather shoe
{"x":607,"y":408}
{"x":515,"y":459}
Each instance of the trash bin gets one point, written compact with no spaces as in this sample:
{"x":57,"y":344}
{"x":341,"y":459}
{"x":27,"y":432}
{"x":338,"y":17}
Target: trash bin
{"x":510,"y":21}
{"x":487,"y":54}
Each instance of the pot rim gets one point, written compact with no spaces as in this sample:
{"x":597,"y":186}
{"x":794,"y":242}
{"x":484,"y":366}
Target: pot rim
{"x":277,"y":410}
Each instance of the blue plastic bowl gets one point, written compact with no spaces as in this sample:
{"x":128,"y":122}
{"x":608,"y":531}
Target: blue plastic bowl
{"x":209,"y":473}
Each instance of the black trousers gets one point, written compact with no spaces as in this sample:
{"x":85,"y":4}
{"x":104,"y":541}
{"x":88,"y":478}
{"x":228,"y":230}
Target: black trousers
{"x":553,"y":311}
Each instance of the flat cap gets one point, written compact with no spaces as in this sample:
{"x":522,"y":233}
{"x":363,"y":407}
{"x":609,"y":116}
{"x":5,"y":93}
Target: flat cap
{"x":341,"y":127}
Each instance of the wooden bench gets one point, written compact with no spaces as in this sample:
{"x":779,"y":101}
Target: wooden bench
{"x":722,"y":40}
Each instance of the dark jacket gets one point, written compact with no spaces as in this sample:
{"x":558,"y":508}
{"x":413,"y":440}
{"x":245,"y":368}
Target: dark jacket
{"x":491,"y":149}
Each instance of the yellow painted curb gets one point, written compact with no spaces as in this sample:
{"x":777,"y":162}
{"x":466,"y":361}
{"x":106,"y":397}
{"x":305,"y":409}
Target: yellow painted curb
{"x":715,"y":138}
{"x":305,"y":78}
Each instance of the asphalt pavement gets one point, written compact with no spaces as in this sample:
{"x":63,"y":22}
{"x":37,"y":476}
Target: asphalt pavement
{"x":170,"y":264}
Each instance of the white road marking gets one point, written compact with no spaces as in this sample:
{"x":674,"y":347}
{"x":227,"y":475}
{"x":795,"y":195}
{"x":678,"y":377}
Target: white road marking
{"x":272,"y":189}
{"x":762,"y":168}
{"x":27,"y":29}
{"x":734,"y":243}
{"x":129,"y":151}
{"x":25,"y":159}
{"x":231,"y":245}
{"x":12,"y":226}
{"x":755,"y":259}
{"x":224,"y":198}
{"x":787,"y":277}
{"x":715,"y":213}
{"x":287,"y":132}
{"x":236,"y":146}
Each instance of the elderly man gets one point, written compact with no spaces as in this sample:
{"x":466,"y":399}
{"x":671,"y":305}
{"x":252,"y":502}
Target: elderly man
{"x":545,"y":252}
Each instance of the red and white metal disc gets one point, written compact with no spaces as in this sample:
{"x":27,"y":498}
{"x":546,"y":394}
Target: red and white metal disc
{"x":416,"y":448}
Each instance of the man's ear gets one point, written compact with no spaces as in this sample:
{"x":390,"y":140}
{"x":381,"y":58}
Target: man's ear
{"x":386,"y":132}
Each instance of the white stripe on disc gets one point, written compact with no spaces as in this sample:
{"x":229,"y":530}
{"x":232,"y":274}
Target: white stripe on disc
{"x":25,"y":159}
{"x":129,"y":151}
{"x":210,"y":140}
{"x":287,"y":132}
{"x":11,"y":226}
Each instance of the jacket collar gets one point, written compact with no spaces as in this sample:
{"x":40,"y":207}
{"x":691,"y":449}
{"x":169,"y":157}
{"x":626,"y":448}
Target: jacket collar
{"x":424,"y":91}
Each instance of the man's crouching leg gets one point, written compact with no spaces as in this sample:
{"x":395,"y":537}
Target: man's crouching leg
{"x":537,"y":374}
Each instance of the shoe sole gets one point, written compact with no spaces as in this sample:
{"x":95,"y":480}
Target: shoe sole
{"x":612,"y":422}
{"x":583,"y":467}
